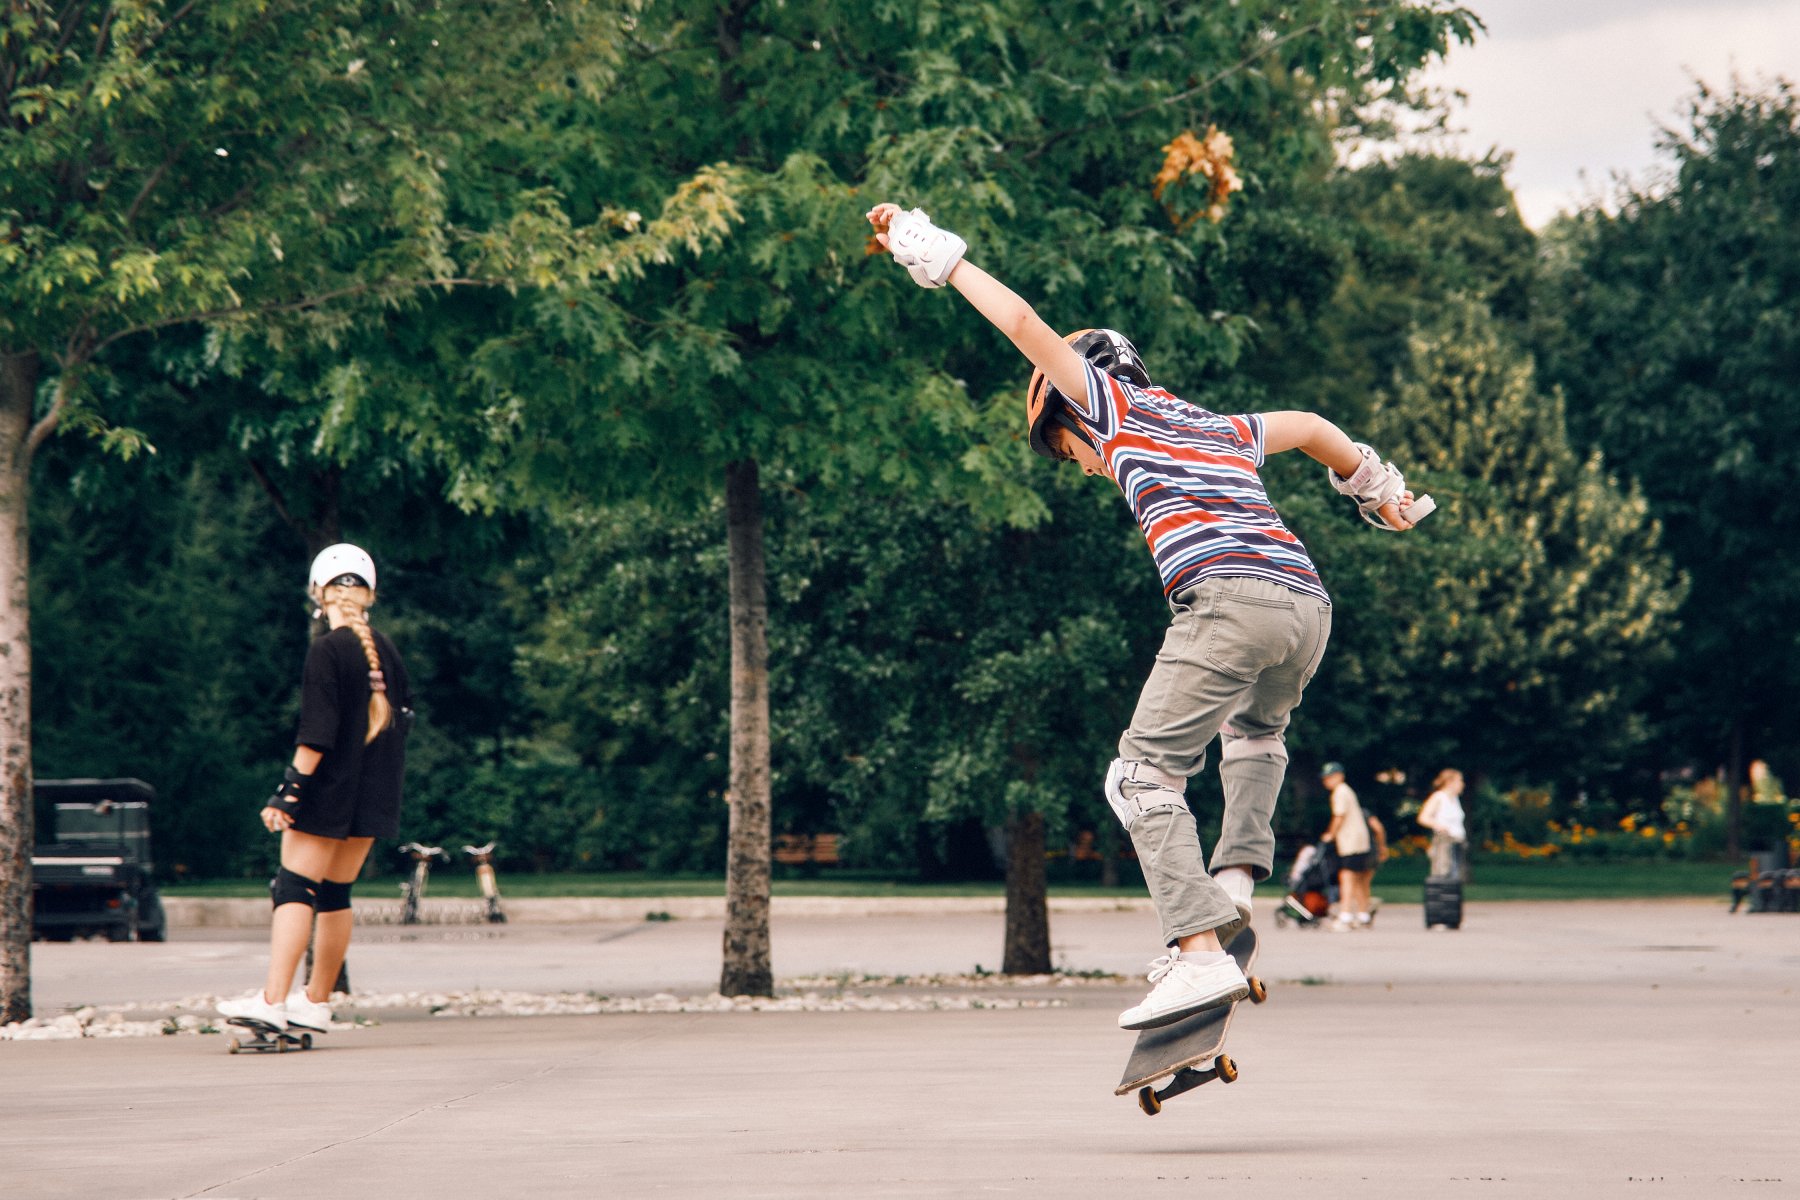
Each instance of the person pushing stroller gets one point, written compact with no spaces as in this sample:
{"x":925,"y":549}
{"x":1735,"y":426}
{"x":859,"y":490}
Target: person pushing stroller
{"x":1250,"y":615}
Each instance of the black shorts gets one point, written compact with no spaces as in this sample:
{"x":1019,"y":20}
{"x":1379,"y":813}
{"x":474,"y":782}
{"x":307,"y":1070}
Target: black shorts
{"x":1355,"y":862}
{"x":376,"y":817}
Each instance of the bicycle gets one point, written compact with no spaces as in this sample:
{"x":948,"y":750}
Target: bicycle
{"x":412,"y":891}
{"x":490,"y":887}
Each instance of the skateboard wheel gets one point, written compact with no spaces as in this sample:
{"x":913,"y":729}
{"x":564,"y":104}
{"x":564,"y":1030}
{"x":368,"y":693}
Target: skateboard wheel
{"x":306,"y":1041}
{"x":233,"y":1046}
{"x":1148,"y":1102}
{"x":1227,"y":1069}
{"x":1258,"y":993}
{"x":281,"y":1045}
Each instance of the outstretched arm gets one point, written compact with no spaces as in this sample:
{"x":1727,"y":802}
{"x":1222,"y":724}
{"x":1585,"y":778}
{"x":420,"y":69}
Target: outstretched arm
{"x":934,"y":257}
{"x":1009,"y":313}
{"x":1313,"y":436}
{"x":1324,"y":442}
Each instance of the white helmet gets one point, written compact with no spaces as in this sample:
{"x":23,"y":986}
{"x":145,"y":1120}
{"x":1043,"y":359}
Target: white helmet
{"x":334,"y":562}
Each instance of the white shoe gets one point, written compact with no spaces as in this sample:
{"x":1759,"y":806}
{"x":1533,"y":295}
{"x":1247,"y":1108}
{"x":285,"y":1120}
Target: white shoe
{"x":303,"y":1012}
{"x":1240,"y":887}
{"x":256,"y":1008}
{"x":1184,"y":987}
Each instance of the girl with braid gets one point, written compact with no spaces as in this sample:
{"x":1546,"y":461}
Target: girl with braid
{"x":340,"y":793}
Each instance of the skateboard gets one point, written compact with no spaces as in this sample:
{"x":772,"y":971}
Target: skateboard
{"x":267,"y":1037}
{"x":1191,"y":1050}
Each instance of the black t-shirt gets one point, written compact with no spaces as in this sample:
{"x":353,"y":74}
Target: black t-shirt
{"x":334,"y":718}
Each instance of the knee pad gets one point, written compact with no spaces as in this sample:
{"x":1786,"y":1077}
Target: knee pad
{"x":333,"y":896}
{"x":1156,"y":789}
{"x":1234,"y":747}
{"x":291,"y":887}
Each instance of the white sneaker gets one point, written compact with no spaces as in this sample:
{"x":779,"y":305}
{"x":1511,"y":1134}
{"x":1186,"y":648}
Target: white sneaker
{"x":302,"y":1011}
{"x":256,"y":1008}
{"x":1184,"y":987}
{"x":1240,"y":887}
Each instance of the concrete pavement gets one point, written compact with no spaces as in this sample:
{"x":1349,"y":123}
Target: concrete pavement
{"x":1596,"y":1049}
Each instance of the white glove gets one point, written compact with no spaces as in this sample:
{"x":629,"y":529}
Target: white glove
{"x":928,"y":253}
{"x":1374,"y":486}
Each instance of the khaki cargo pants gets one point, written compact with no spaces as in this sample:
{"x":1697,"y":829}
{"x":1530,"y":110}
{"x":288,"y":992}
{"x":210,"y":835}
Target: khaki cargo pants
{"x":1234,"y":662}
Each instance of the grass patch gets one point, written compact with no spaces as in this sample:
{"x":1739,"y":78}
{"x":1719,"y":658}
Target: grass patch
{"x":1398,"y":882}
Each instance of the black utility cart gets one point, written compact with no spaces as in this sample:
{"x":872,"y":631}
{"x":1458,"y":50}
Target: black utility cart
{"x":91,"y":866}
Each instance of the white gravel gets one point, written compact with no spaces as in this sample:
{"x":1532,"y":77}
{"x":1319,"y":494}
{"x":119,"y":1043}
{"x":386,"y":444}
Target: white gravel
{"x":835,"y":993}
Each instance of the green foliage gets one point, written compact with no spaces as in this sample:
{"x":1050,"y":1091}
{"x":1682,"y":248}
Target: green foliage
{"x":1674,"y":327}
{"x":1552,"y":595}
{"x":1510,"y":634}
{"x":921,"y":673}
{"x":958,"y":630}
{"x":1414,"y":233}
{"x":1035,"y":132}
{"x":290,"y":175}
{"x":169,"y":633}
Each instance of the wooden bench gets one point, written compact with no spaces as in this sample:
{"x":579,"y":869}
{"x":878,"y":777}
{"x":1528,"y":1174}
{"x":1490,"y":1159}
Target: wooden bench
{"x":797,"y":849}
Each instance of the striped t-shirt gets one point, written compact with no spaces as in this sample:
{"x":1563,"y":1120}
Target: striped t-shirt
{"x":1190,"y":478}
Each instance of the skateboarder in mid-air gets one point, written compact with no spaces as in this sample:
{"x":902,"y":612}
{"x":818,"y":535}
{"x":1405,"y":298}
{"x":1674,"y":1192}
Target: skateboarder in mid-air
{"x":1250,"y":616}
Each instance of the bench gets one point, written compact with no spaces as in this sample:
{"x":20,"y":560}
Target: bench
{"x":797,"y":849}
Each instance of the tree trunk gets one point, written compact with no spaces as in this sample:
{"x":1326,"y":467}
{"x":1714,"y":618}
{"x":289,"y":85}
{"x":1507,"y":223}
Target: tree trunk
{"x":747,"y":969}
{"x":18,"y":390}
{"x":1027,"y":897}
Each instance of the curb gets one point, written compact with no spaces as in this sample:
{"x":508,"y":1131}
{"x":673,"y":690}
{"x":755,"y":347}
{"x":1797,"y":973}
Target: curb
{"x":196,"y":912}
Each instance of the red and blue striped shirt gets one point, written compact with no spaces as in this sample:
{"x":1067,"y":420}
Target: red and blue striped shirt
{"x":1190,"y":478}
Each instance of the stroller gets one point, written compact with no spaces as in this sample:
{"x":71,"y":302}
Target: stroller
{"x":1309,"y":889}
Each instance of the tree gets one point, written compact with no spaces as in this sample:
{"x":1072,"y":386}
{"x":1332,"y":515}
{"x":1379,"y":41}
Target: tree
{"x":1441,"y":635}
{"x":1037,"y":132}
{"x":1398,"y":239}
{"x":1554,"y":596}
{"x":269,"y":167}
{"x":944,"y":671}
{"x":1673,"y":324}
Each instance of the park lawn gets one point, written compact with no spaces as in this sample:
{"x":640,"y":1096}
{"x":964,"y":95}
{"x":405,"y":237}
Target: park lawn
{"x":1507,"y":878}
{"x":1398,"y":882}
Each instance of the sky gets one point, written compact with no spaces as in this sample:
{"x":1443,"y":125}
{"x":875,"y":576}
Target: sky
{"x":1577,"y":89}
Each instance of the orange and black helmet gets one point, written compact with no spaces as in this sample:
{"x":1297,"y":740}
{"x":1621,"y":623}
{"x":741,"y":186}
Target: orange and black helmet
{"x":1052,"y":432}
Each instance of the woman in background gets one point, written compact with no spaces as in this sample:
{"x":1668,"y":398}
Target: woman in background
{"x":340,"y":792}
{"x":1443,"y":815}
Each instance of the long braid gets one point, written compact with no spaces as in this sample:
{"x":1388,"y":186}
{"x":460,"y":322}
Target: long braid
{"x":350,"y":606}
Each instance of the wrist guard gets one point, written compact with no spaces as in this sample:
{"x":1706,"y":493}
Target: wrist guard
{"x":290,"y":793}
{"x":1373,"y":485}
{"x":928,"y":253}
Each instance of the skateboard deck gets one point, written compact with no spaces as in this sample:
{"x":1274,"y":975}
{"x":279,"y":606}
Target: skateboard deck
{"x":267,"y":1037}
{"x":1191,"y":1050}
